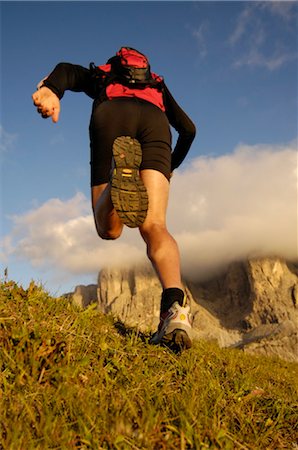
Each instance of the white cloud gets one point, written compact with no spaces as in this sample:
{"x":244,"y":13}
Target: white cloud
{"x":60,"y":237}
{"x":200,"y":36}
{"x":286,"y":10}
{"x":221,"y":209}
{"x":234,"y":206}
{"x":272,"y":62}
{"x":243,"y":21}
{"x":6,"y":140}
{"x":259,"y":40}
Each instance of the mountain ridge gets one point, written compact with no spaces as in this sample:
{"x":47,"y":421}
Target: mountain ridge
{"x":252,"y":305}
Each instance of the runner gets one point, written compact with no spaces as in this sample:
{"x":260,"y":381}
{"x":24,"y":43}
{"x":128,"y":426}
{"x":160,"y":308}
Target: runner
{"x":132,"y":163}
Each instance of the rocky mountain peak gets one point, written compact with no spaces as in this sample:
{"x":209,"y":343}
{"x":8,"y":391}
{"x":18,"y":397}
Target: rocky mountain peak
{"x":252,"y":305}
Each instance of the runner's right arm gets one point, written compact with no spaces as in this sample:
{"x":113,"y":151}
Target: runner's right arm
{"x":71,"y":77}
{"x":64,"y":77}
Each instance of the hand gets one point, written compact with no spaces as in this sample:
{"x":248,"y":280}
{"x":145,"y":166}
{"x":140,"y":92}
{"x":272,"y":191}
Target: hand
{"x":47,"y":103}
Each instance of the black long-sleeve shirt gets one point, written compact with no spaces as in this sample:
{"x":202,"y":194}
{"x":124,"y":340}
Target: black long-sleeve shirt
{"x":76,"y":78}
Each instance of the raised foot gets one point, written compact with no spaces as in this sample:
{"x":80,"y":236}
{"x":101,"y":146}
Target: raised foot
{"x":128,"y":192}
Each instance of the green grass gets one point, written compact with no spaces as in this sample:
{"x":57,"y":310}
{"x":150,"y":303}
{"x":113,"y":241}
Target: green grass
{"x":76,"y":379}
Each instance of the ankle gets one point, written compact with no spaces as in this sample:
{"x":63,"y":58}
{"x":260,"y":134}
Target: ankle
{"x":169,"y":297}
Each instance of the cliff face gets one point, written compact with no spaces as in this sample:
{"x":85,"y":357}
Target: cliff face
{"x":132,"y":294}
{"x":253,"y":305}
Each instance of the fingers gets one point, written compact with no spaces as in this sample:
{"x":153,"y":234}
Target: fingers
{"x":36,"y":98}
{"x":40,"y":98}
{"x":47,"y":104}
{"x":45,"y":113}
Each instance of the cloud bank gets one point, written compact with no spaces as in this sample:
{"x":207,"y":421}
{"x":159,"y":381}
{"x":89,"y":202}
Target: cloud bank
{"x":221,"y":209}
{"x":59,"y":237}
{"x":239,"y":205}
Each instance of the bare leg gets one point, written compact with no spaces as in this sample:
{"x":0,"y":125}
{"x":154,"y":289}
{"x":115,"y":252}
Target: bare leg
{"x":107,"y":221}
{"x":162,"y":248}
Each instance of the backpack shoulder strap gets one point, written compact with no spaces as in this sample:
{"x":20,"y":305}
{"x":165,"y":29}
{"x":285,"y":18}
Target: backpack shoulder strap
{"x":102,"y":76}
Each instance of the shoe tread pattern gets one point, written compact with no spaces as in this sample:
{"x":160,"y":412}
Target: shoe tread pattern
{"x":177,"y":341}
{"x":128,"y":192}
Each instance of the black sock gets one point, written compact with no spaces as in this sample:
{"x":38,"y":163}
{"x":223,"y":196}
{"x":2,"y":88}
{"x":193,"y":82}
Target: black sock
{"x":170,"y":296}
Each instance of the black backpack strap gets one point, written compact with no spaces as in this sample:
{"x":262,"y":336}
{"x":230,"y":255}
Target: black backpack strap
{"x":102,"y":80}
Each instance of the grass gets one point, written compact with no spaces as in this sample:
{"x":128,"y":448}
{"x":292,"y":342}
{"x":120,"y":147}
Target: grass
{"x":76,"y":379}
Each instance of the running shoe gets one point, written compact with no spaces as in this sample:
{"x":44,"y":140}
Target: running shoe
{"x":128,"y":192}
{"x":175,"y":328}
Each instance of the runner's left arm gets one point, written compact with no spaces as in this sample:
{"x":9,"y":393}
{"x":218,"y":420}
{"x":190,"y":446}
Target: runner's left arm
{"x":183,"y":125}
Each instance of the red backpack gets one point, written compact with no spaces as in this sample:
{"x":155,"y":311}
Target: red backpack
{"x":128,"y":74}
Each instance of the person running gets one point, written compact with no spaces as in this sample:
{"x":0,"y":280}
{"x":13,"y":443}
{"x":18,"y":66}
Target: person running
{"x":131,"y":164}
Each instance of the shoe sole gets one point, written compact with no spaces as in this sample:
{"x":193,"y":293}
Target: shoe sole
{"x":178,"y":340}
{"x":128,"y":192}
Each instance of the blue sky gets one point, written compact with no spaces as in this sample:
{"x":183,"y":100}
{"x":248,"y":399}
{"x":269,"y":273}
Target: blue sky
{"x":231,"y":65}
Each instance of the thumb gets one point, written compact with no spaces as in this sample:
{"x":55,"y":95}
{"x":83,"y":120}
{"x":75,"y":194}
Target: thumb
{"x":55,"y":115}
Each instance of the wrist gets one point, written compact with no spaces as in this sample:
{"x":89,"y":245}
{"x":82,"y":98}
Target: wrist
{"x":53,"y":89}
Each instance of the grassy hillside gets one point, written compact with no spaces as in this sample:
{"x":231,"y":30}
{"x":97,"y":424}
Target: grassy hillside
{"x":75,"y":379}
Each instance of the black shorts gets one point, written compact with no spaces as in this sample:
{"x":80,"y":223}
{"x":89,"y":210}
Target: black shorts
{"x":129,"y":117}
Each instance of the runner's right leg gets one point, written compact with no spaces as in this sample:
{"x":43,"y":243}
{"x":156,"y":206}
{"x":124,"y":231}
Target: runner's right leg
{"x":108,"y":223}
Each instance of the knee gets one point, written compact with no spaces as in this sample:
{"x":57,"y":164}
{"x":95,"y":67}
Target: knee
{"x":152,"y":230}
{"x":156,"y":237}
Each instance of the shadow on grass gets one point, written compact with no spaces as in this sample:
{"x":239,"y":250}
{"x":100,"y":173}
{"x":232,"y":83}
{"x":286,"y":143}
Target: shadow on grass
{"x":126,"y":331}
{"x":173,"y":346}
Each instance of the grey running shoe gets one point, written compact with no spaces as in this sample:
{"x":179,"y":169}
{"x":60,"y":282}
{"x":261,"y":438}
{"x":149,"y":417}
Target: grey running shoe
{"x":128,"y":192}
{"x":175,"y":329}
